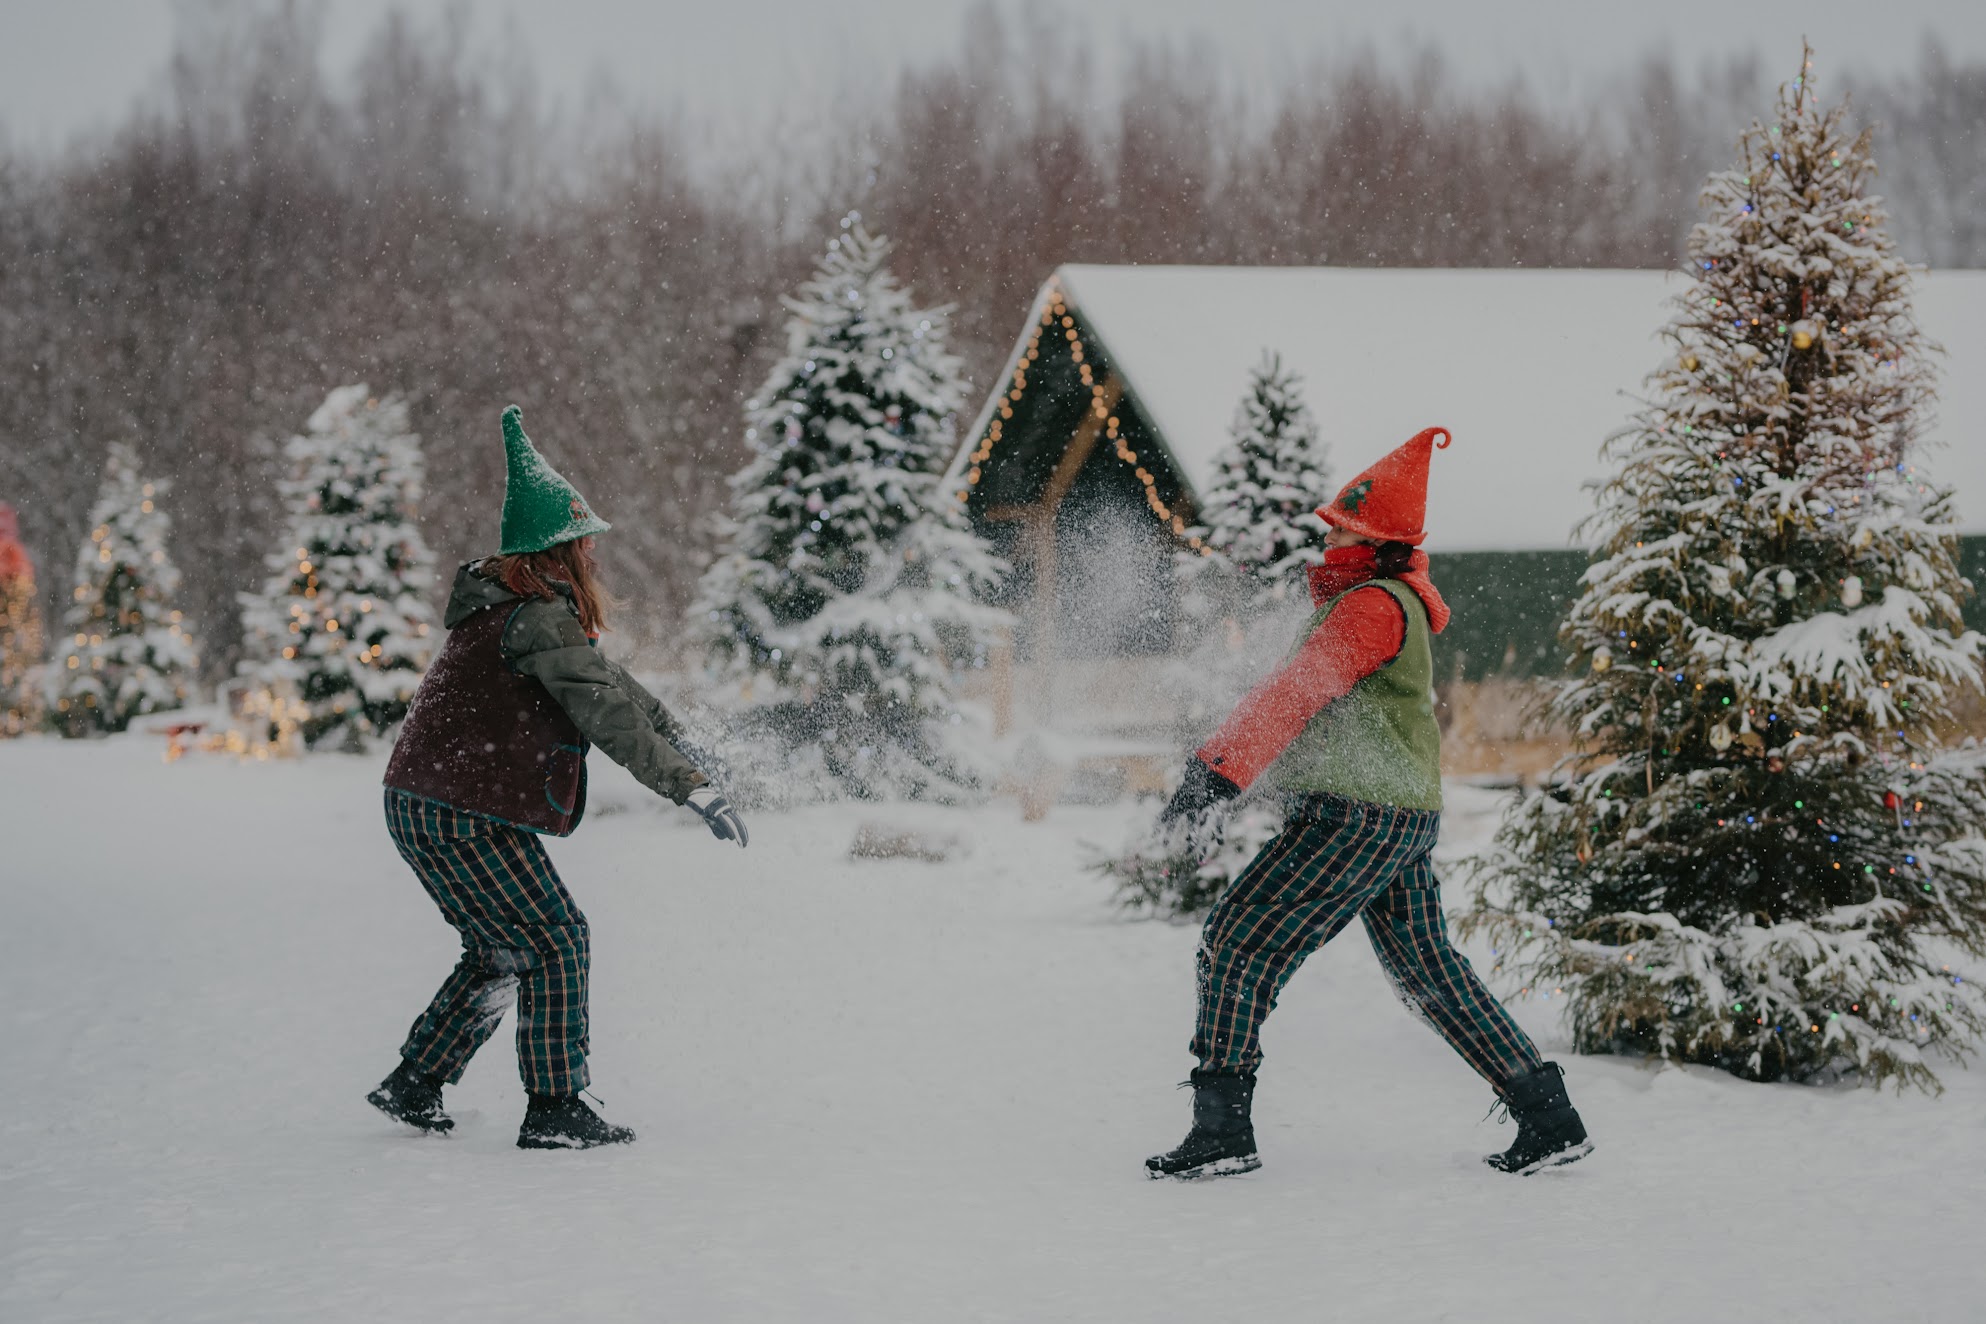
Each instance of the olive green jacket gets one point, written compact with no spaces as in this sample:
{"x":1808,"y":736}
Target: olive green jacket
{"x":612,"y":709}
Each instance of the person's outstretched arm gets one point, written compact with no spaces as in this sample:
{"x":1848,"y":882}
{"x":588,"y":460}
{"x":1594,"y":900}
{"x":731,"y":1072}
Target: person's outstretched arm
{"x":545,"y":641}
{"x":658,"y":716}
{"x":1364,"y":632}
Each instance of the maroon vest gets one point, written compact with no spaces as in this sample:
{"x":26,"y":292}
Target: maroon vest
{"x":483,"y":738}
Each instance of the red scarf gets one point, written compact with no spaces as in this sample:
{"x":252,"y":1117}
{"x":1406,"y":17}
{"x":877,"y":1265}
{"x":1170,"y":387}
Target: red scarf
{"x":1348,"y":567}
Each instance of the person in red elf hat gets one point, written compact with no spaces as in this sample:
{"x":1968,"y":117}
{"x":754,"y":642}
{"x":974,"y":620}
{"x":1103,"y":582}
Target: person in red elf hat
{"x":1346,"y":730}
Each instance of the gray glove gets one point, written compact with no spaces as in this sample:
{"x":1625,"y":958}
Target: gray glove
{"x":718,"y":815}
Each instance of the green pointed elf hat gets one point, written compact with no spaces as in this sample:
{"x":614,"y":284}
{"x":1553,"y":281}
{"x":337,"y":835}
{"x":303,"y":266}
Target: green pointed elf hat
{"x":540,"y":508}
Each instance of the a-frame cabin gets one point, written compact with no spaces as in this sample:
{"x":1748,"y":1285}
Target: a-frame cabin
{"x":1086,"y":460}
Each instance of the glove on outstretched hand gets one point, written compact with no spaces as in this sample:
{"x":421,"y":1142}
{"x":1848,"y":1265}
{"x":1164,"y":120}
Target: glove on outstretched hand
{"x":1200,"y":791}
{"x":718,"y":815}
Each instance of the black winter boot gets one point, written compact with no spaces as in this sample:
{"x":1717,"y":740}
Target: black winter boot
{"x":413,"y":1097}
{"x":1222,"y":1141}
{"x":563,"y":1121}
{"x":1549,"y":1132}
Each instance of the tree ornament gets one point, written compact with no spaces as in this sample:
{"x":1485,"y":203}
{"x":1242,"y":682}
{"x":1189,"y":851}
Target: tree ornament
{"x":1785,"y":581}
{"x":1851,"y":592}
{"x":1603,"y":657}
{"x":1720,"y":737}
{"x":1689,"y":362}
{"x":1804,"y":334}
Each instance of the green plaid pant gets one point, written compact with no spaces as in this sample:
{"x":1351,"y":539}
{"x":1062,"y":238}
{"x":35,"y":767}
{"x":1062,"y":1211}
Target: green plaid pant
{"x":523,"y":940}
{"x":1336,"y":859}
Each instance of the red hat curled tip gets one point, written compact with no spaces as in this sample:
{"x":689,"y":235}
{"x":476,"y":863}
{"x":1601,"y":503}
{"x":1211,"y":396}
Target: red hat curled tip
{"x":1388,"y":502}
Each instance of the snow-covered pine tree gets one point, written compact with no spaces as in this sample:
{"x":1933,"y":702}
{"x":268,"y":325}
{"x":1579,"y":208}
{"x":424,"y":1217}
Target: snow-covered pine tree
{"x":1259,"y":523}
{"x":340,"y":631}
{"x":126,"y":650}
{"x":1761,"y":858}
{"x":850,"y":587}
{"x":20,"y":630}
{"x":1259,"y":520}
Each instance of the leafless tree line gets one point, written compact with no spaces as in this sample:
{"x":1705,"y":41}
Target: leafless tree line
{"x":197,"y":281}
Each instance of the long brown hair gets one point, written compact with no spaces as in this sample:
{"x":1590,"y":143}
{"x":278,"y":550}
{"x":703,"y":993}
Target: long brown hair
{"x":535,"y":575}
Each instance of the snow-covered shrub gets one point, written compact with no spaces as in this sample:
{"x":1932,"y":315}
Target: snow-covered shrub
{"x":125,"y":650}
{"x":1760,"y":857}
{"x":850,"y":587}
{"x":338,"y":637}
{"x":1174,"y":874}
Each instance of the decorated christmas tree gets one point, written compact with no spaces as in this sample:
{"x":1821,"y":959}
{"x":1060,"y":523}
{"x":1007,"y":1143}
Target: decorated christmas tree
{"x":20,"y":629}
{"x":1760,"y":857}
{"x":1260,"y":529}
{"x":338,"y":637}
{"x":850,"y":588}
{"x":126,"y":652}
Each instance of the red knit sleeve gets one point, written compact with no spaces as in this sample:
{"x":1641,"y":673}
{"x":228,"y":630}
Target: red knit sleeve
{"x":1363,"y":633}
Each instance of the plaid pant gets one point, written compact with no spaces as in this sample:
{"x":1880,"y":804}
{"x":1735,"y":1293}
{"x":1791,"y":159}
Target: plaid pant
{"x":1336,"y":859}
{"x":521,"y":934}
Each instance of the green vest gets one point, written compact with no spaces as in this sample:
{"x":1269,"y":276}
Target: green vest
{"x":1379,"y":743}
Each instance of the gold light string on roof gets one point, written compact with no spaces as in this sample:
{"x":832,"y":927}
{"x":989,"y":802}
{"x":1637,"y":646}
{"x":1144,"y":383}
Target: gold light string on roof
{"x":1057,"y":316}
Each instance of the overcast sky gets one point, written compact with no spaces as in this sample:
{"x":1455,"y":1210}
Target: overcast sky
{"x":68,"y":66}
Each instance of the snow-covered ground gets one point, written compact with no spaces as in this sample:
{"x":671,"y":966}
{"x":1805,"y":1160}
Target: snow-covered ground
{"x":865,"y":1091}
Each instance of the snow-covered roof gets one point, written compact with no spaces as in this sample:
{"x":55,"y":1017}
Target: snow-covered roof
{"x":1528,"y":368}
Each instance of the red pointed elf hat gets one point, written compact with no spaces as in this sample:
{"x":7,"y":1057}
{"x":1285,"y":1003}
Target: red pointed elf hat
{"x":1388,"y":502}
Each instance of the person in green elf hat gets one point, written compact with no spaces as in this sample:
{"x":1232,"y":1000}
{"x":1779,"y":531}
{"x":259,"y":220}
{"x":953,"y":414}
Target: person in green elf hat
{"x":491,"y":758}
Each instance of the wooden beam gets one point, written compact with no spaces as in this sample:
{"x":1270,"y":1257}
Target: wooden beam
{"x":1043,"y":552}
{"x":1081,"y":445}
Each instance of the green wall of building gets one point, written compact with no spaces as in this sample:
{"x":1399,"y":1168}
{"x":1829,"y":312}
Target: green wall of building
{"x":1508,"y":606}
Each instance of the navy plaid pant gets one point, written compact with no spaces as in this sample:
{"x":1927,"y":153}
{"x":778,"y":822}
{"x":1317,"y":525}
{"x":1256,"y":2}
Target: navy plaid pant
{"x":1336,"y":859}
{"x":523,"y":941}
